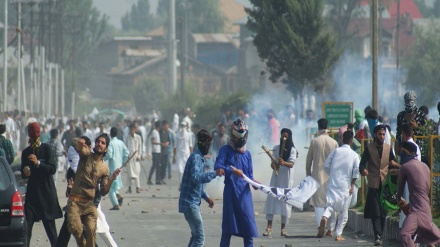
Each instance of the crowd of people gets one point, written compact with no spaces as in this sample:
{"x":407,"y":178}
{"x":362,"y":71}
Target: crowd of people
{"x":90,"y":160}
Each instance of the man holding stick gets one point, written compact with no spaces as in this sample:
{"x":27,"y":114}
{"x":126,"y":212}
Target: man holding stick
{"x":81,"y":211}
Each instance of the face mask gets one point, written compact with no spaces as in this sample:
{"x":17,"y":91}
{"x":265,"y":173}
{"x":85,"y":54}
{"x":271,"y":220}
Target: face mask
{"x":203,"y":147}
{"x":239,"y":143}
{"x":404,"y":157}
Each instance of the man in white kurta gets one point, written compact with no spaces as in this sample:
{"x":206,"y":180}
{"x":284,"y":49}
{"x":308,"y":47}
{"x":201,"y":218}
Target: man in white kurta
{"x":320,"y":148}
{"x":134,"y":143}
{"x":182,"y":148}
{"x":342,"y":166}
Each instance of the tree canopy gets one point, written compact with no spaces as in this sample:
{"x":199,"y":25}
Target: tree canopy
{"x":422,"y":63}
{"x":139,"y":18}
{"x":290,"y":39}
{"x":204,"y":16}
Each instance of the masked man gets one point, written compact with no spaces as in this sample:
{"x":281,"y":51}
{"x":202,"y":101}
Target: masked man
{"x":81,"y":210}
{"x":38,"y":164}
{"x":412,"y":115}
{"x":192,"y":188}
{"x":238,"y":209}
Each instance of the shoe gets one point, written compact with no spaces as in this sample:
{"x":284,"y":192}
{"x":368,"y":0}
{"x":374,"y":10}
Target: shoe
{"x":378,"y":241}
{"x":268,"y":233}
{"x":138,"y":190}
{"x":163,"y":181}
{"x":339,"y":238}
{"x":329,"y":234}
{"x":129,"y":190}
{"x":321,"y":228}
{"x":116,"y":207}
{"x":159,"y":183}
{"x":284,"y":233}
{"x":120,"y":199}
{"x":149,"y":182}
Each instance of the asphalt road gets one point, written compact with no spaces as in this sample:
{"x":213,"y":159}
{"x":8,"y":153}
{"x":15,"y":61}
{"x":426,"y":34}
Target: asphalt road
{"x":151,"y":219}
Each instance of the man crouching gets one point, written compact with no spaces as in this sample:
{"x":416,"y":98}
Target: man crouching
{"x":81,"y":211}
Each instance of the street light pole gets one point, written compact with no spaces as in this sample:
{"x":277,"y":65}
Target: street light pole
{"x":375,"y":54}
{"x":5,"y":59}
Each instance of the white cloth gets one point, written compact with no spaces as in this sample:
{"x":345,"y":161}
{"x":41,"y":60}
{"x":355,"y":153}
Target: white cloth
{"x":175,"y":125}
{"x":155,"y":137}
{"x":188,"y":120}
{"x":73,"y":158}
{"x":363,"y":124}
{"x":296,"y":196}
{"x":134,"y":144}
{"x":284,"y":179}
{"x":182,"y":145}
{"x":143,"y":131}
{"x":342,"y":217}
{"x":90,"y":135}
{"x":342,"y":165}
{"x":103,"y":229}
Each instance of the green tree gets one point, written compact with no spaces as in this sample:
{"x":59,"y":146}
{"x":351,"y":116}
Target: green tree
{"x":290,"y":39}
{"x":204,"y":16}
{"x":139,"y":18}
{"x":422,"y":63}
{"x":148,"y":94}
{"x":339,"y":16}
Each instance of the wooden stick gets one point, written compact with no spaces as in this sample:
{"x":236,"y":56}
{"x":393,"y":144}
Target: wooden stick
{"x":129,"y":158}
{"x":274,"y":164}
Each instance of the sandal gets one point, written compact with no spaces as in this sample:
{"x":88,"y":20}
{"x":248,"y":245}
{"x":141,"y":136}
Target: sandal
{"x":284,"y":233}
{"x":268,"y":232}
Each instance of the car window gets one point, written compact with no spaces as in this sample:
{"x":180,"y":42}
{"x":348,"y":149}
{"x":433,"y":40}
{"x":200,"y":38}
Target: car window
{"x":5,"y":180}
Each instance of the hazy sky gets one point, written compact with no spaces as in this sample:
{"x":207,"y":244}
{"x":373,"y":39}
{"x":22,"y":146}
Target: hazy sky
{"x":115,"y":9}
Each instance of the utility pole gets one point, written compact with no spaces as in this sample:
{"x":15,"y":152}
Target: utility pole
{"x":182,"y":61}
{"x":19,"y":57}
{"x":375,"y":53}
{"x":5,"y":59}
{"x":172,"y":70}
{"x":397,"y":54}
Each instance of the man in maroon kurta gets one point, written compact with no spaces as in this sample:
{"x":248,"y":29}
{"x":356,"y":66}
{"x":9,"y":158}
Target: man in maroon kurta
{"x":419,"y":219}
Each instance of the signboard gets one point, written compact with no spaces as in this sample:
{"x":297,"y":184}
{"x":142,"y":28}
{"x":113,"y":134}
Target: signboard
{"x":337,"y":113}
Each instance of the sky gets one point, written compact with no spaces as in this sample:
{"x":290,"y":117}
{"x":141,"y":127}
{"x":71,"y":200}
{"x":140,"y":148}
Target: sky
{"x":115,"y":9}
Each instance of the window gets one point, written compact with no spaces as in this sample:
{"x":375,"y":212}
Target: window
{"x":5,"y":179}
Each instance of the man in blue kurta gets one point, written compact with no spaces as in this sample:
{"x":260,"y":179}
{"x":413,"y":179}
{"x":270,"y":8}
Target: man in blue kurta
{"x":117,"y":153}
{"x":238,"y":209}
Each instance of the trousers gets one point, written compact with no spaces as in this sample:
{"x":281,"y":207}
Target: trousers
{"x":81,"y":219}
{"x":51,"y":231}
{"x":225,"y":241}
{"x":155,"y":167}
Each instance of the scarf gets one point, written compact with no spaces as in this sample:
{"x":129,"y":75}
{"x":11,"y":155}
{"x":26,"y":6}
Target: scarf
{"x":241,"y":150}
{"x":35,"y":145}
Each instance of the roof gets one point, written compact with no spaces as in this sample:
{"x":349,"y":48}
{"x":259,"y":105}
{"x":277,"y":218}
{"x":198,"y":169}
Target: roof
{"x":142,"y":53}
{"x":361,"y":28}
{"x":214,"y":38}
{"x":131,"y":38}
{"x":159,"y":31}
{"x":406,"y":7}
{"x":232,"y":11}
{"x":153,"y":61}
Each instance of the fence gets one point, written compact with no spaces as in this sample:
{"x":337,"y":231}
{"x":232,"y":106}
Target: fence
{"x":430,"y":152}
